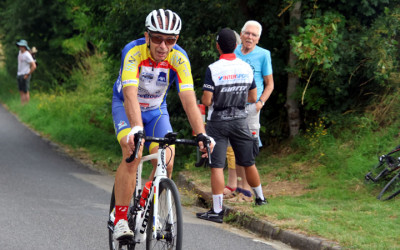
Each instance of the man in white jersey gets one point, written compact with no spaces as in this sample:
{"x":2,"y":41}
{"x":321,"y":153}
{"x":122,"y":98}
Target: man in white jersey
{"x":26,"y":66}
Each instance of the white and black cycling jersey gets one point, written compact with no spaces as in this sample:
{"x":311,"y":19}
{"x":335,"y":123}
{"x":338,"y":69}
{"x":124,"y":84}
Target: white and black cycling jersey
{"x":230,"y":80}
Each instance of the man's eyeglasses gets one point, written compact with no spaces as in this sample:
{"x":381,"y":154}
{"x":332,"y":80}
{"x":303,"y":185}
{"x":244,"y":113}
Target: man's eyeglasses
{"x":159,"y":39}
{"x":246,"y":33}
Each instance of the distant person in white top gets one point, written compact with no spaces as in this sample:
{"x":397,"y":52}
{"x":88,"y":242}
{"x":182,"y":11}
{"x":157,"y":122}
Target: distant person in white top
{"x":26,"y":66}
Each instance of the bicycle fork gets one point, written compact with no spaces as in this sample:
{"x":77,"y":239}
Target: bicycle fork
{"x":158,"y":231}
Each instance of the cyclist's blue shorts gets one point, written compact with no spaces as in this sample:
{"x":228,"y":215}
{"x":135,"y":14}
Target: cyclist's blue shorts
{"x":156,"y":122}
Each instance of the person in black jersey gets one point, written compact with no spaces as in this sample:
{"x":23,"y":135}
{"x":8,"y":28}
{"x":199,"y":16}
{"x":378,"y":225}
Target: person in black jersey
{"x":228,"y":86}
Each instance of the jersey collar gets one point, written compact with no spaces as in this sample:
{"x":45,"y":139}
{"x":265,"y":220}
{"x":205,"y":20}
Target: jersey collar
{"x":229,"y":57}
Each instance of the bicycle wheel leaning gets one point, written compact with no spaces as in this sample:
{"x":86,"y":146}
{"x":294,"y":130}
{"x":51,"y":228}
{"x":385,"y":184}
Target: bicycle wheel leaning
{"x":391,"y":189}
{"x":170,"y":227}
{"x":387,"y":164}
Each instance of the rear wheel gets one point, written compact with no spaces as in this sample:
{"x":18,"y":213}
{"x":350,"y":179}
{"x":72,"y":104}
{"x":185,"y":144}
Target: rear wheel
{"x":391,"y":189}
{"x":169,"y":219}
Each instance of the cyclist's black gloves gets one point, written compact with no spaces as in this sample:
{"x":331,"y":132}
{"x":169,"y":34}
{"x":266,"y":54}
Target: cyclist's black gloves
{"x":207,"y":140}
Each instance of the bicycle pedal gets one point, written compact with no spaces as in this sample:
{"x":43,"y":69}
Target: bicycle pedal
{"x":126,"y":241}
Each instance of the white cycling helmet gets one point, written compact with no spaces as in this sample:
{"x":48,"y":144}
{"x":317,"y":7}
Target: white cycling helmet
{"x":173,"y":27}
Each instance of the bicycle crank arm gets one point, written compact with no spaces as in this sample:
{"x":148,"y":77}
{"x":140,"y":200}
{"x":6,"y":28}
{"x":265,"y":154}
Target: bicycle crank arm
{"x":127,"y":242}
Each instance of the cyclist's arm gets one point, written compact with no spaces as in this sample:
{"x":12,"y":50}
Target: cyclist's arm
{"x":189,"y":104}
{"x":132,"y":109}
{"x":188,"y":99}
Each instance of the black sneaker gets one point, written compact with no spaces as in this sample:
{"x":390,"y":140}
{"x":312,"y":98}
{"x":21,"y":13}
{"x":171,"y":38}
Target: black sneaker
{"x":260,"y":202}
{"x":211,"y":216}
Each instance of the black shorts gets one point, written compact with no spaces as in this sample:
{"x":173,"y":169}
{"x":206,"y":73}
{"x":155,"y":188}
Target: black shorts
{"x":23,"y":84}
{"x":239,"y":135}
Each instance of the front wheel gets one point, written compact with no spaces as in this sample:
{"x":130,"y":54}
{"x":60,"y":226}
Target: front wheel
{"x":111,"y":212}
{"x":169,"y":219}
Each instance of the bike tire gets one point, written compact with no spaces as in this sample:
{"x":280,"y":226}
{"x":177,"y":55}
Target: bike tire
{"x":172,"y":233}
{"x":391,"y":189}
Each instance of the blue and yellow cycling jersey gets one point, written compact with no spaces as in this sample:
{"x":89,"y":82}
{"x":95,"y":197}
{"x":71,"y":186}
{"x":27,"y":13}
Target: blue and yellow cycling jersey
{"x":153,"y":80}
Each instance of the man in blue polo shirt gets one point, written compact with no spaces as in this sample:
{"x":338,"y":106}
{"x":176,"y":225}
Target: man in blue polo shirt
{"x":260,"y":61}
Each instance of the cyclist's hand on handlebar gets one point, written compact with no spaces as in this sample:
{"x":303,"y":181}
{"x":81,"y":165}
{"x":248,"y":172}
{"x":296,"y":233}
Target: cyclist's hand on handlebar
{"x":206,"y":144}
{"x":130,"y":139}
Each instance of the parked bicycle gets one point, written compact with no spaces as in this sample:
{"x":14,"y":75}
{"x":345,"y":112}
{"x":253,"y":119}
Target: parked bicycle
{"x":158,"y":218}
{"x":387,"y":170}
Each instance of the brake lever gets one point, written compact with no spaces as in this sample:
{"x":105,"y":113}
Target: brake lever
{"x":208,"y":152}
{"x":203,"y":161}
{"x":138,"y":143}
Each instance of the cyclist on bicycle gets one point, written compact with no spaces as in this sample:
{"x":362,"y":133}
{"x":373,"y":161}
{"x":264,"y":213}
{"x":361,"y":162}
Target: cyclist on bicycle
{"x":149,"y":66}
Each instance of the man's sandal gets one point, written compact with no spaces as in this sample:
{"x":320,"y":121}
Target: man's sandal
{"x":229,"y":192}
{"x":240,"y":198}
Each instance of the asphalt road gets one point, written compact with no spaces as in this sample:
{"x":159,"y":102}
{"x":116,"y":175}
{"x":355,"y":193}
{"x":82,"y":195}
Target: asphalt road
{"x":51,"y":201}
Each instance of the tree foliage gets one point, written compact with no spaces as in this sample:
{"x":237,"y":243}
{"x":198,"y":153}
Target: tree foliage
{"x":346,"y":49}
{"x":44,"y":24}
{"x":341,"y":62}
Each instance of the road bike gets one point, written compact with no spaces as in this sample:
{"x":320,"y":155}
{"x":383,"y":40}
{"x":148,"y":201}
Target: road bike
{"x":387,"y":171}
{"x":158,"y":220}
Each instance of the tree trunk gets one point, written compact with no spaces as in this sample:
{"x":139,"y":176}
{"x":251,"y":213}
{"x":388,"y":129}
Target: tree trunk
{"x":292,"y":105}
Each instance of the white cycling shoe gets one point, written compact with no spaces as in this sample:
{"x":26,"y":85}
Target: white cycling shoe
{"x":122,"y":230}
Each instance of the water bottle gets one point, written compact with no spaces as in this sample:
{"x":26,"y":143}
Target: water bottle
{"x":145,"y":193}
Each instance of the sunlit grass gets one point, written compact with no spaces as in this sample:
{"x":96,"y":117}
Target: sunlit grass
{"x":363,"y":223}
{"x":337,"y":204}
